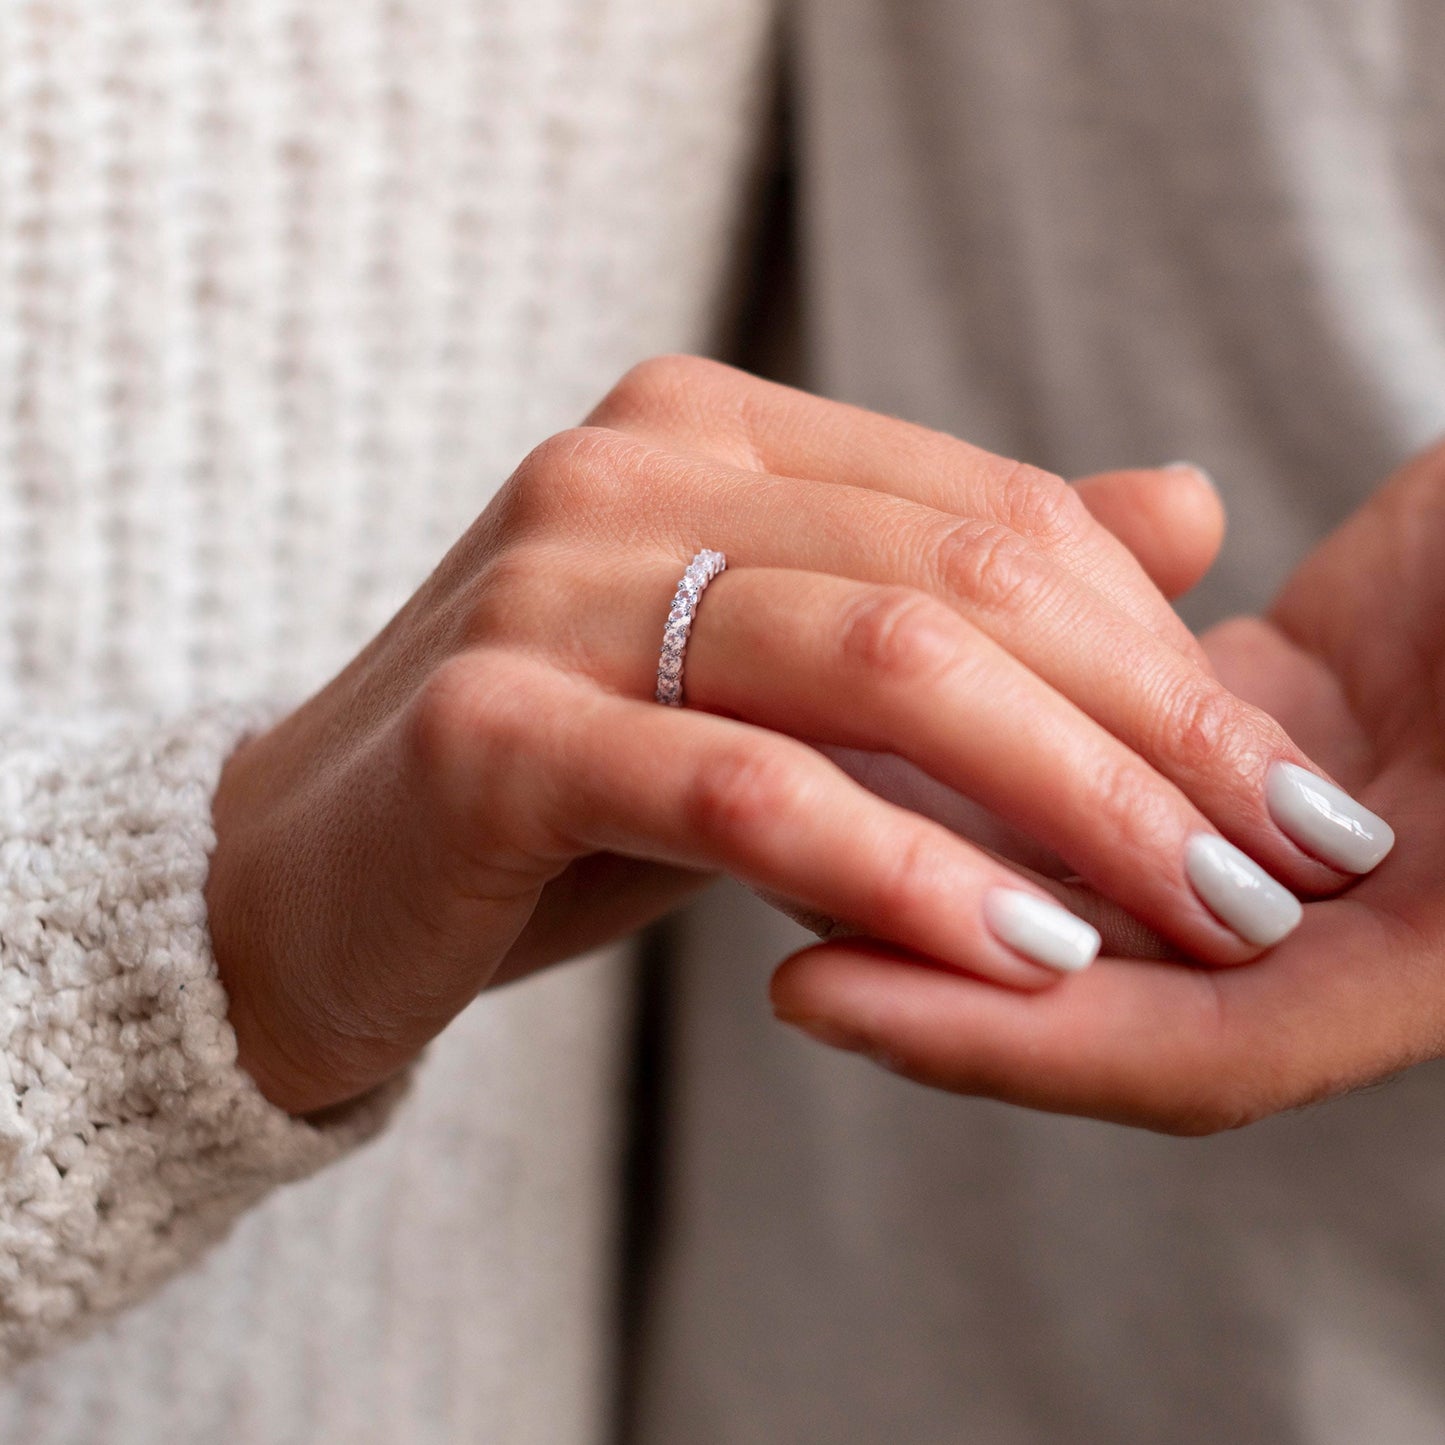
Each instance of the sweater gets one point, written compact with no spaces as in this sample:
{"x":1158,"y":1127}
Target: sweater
{"x":287,"y":287}
{"x":1088,"y":232}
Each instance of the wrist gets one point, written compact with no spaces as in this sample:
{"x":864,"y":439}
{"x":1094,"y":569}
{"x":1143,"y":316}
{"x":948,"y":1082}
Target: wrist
{"x":233,"y":891}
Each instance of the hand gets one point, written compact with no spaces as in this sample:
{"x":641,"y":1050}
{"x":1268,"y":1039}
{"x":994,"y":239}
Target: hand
{"x":490,"y":787}
{"x":1352,"y":660}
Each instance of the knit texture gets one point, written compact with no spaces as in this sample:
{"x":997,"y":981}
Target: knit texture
{"x":129,"y":1139}
{"x":287,"y":288}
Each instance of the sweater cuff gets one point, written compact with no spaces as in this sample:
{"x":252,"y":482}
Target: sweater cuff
{"x":130,"y":1138}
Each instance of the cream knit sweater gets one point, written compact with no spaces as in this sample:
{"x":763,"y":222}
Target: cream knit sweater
{"x":286,"y":289}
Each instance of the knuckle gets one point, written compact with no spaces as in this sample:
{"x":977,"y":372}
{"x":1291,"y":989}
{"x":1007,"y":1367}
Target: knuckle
{"x":652,"y":388}
{"x":898,"y":635}
{"x":908,"y":887}
{"x":1041,"y":505}
{"x":1136,"y":807}
{"x":437,"y":718}
{"x":527,"y":500}
{"x":1197,"y":727}
{"x":1206,"y":726}
{"x":988,"y":564}
{"x":465,"y":714}
{"x":737,"y":793}
{"x":582,"y":465}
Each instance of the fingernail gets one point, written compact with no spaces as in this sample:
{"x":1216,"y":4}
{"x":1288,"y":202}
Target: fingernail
{"x":1040,"y":930}
{"x":1325,"y":820}
{"x":1194,"y":467}
{"x":1239,"y":892}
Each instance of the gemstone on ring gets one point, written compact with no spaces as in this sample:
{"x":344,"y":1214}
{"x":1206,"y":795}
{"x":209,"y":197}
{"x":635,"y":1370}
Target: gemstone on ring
{"x":700,"y":571}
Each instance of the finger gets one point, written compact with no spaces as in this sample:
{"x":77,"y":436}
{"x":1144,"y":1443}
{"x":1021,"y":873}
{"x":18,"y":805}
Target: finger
{"x":1133,"y":1043}
{"x":1121,"y":935}
{"x":1234,"y":761}
{"x":1257,"y":662}
{"x":700,"y":407}
{"x":1187,"y":1051}
{"x":901,"y":781}
{"x":1215,"y":748}
{"x":595,"y":900}
{"x":1171,"y":519}
{"x":696,"y":791}
{"x":890,"y":668}
{"x":1221,"y":751}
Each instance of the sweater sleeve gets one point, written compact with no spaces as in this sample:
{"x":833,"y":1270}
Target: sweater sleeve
{"x":130,"y":1139}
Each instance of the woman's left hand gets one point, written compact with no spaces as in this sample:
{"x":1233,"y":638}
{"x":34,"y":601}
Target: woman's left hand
{"x":1351,"y":660}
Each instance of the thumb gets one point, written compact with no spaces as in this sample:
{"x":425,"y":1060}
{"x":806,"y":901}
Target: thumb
{"x":1170,"y":518}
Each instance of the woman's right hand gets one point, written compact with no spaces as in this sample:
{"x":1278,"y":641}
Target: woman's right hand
{"x":490,"y":785}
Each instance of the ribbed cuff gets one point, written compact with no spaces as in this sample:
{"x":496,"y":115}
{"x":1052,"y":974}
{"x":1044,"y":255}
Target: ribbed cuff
{"x":130,"y":1138}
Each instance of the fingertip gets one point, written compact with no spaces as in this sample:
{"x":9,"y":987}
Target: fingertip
{"x":1191,"y":508}
{"x":1042,"y":931}
{"x":1172,"y":519}
{"x":853,"y":985}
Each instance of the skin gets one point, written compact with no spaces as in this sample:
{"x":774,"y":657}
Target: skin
{"x":1351,"y":658}
{"x":489,"y":787}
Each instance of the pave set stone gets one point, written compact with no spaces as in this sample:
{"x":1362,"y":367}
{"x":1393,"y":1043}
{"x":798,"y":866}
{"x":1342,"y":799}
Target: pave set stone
{"x":700,"y":571}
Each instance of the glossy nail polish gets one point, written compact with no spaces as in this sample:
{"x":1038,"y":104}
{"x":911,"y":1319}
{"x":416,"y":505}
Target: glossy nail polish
{"x":1239,"y":893}
{"x":1325,"y":821}
{"x":1041,"y":931}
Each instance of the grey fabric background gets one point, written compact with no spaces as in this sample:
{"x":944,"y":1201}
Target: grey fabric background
{"x":1089,"y":233}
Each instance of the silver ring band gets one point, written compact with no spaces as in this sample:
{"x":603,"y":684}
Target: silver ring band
{"x":700,"y":571}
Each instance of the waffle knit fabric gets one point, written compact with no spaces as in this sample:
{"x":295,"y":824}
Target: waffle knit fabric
{"x":286,"y":289}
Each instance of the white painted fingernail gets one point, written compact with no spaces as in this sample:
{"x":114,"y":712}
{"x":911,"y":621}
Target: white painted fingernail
{"x":1325,"y":820}
{"x":1239,"y":892}
{"x":1040,"y":930}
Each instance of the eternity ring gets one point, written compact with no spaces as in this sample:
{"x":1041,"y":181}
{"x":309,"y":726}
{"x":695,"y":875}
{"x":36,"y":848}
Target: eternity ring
{"x":700,"y":571}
